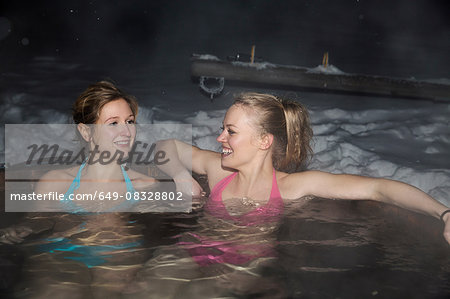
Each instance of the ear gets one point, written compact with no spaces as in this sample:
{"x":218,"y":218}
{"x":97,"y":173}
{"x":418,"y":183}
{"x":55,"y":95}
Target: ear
{"x":266,"y":141}
{"x":85,"y":131}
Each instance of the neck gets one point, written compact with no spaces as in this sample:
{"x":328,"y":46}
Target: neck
{"x":253,"y":179}
{"x":103,"y":172}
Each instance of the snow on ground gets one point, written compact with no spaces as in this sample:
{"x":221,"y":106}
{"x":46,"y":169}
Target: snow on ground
{"x":410,"y":144}
{"x":382,"y":137}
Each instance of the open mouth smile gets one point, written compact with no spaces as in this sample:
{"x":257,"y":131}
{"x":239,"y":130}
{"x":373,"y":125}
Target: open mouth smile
{"x":226,"y":152}
{"x":122,"y":143}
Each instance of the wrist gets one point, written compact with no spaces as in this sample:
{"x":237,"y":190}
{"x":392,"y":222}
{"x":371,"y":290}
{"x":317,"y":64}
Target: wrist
{"x":444,"y":215}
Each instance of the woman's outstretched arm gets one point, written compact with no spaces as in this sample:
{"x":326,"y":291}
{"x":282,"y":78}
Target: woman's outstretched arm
{"x":342,"y":186}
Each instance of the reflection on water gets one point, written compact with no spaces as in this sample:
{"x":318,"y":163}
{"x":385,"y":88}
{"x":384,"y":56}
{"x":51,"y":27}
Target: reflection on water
{"x":213,"y":259}
{"x":321,"y":249}
{"x":344,"y":249}
{"x":82,"y":257}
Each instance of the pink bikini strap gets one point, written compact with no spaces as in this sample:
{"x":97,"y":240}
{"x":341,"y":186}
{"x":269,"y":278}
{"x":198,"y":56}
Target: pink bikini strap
{"x":220,"y":186}
{"x":216,"y":193}
{"x":275,"y":193}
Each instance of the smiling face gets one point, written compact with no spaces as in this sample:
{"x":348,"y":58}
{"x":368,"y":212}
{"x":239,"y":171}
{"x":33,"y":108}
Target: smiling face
{"x":115,"y":128}
{"x":241,"y":142}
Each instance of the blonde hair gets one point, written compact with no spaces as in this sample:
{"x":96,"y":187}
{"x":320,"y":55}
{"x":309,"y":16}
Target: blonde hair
{"x":89,"y":104}
{"x":287,"y":121}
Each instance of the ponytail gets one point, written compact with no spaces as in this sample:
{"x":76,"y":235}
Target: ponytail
{"x":299,"y":135}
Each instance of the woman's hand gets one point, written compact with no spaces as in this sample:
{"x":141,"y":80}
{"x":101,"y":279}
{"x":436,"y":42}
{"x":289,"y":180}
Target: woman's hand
{"x":14,"y":234}
{"x":189,"y":186}
{"x":198,"y":196}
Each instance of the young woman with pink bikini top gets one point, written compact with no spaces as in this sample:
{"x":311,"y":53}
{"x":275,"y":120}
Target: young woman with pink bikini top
{"x":265,"y":140}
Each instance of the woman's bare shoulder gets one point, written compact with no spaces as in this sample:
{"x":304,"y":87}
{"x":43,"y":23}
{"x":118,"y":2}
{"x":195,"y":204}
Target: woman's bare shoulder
{"x":216,"y":172}
{"x":56,"y":180}
{"x":60,"y":173}
{"x":296,"y":185}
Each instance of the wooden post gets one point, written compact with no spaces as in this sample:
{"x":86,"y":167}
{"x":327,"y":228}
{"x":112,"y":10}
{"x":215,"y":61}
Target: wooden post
{"x":252,"y":57}
{"x":325,"y":59}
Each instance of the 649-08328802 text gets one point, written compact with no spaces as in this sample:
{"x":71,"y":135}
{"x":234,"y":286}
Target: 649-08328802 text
{"x":52,"y":196}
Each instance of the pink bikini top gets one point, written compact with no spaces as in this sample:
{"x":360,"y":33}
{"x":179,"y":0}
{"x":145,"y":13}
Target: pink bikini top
{"x":270,"y":212}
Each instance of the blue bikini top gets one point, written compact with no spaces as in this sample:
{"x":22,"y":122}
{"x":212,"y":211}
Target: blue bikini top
{"x":73,"y":208}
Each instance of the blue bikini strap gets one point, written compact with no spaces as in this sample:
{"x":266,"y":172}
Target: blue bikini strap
{"x":130,"y":188}
{"x":75,"y":183}
{"x":70,"y":205}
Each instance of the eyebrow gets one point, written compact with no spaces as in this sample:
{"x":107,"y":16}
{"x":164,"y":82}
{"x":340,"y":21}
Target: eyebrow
{"x":114,"y":117}
{"x":228,"y":125}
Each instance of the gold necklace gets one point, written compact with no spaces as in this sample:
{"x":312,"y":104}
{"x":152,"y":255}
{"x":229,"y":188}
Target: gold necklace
{"x":247,"y":201}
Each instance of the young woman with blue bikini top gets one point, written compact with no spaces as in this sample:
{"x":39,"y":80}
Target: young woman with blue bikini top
{"x":112,"y":114}
{"x":93,"y":239}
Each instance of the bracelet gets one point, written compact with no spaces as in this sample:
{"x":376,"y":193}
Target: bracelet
{"x":443,"y":213}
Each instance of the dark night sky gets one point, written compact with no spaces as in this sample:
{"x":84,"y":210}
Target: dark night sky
{"x":398,"y":38}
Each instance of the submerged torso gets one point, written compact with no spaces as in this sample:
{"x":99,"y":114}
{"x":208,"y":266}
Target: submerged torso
{"x":234,"y":239}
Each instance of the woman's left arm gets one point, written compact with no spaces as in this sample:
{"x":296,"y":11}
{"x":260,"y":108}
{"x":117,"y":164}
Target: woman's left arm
{"x":343,"y":186}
